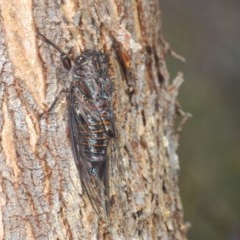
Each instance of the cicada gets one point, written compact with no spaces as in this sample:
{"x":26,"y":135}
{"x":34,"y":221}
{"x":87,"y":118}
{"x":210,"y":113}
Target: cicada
{"x":91,"y":123}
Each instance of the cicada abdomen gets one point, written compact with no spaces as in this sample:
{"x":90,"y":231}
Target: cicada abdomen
{"x":91,"y":123}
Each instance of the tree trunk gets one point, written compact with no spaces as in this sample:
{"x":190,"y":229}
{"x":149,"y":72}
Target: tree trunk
{"x":41,"y":193}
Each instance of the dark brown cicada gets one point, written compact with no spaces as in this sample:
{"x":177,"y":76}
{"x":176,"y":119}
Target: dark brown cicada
{"x":91,"y":123}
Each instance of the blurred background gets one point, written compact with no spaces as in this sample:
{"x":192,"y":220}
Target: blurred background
{"x":207,"y":34}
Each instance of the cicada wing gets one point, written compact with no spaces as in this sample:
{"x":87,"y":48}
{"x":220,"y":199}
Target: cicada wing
{"x":93,"y":186}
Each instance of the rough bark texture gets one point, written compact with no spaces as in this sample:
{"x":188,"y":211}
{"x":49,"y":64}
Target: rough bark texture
{"x":41,"y":195}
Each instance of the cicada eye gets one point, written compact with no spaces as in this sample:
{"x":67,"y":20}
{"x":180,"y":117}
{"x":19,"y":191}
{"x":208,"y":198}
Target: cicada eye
{"x":79,"y":60}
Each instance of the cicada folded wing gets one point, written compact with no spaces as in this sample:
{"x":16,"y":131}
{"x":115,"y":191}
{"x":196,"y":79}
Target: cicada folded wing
{"x":90,"y":143}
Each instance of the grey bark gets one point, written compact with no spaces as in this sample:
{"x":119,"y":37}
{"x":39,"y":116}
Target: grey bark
{"x":41,"y":194}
